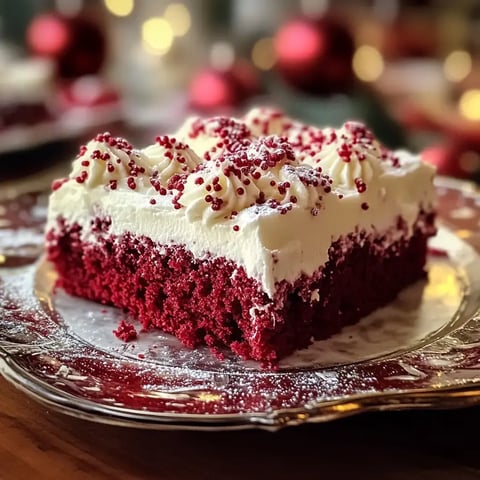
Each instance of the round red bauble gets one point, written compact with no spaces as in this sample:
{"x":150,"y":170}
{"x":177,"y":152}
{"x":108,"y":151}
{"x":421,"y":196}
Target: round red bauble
{"x":213,"y":89}
{"x":77,"y":45}
{"x":48,"y":35}
{"x":446,"y":158}
{"x":315,"y":55}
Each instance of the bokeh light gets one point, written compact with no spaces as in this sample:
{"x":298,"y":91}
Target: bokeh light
{"x":457,"y":65}
{"x":179,"y":18}
{"x":120,"y":8}
{"x":367,"y":63}
{"x":157,"y":35}
{"x":263,"y":54}
{"x":469,"y":104}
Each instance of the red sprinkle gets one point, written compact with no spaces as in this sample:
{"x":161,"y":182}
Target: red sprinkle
{"x":56,"y":184}
{"x":236,"y":228}
{"x":365,"y":206}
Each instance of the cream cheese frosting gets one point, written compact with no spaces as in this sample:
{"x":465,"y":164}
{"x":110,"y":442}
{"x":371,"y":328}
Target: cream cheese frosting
{"x":270,"y":194}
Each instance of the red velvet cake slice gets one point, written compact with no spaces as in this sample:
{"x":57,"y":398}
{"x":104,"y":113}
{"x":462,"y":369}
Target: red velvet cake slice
{"x":255,"y":235}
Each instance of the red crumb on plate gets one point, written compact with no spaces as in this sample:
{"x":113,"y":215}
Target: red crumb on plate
{"x":125,"y":331}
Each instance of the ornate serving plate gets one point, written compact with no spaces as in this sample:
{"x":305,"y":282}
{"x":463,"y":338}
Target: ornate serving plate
{"x":422,"y":351}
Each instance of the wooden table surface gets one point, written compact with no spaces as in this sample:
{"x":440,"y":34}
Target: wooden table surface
{"x":38,"y":443}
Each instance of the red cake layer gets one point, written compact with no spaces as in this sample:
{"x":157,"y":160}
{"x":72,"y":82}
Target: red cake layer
{"x":211,"y":301}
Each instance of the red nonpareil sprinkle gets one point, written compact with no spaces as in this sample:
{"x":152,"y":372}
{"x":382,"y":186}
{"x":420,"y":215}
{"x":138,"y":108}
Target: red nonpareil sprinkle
{"x":125,"y":331}
{"x":293,"y":199}
{"x":240,"y":191}
{"x":82,"y":177}
{"x":131,"y":183}
{"x":82,"y":151}
{"x":365,"y":206}
{"x":236,"y":228}
{"x":360,"y":185}
{"x":56,"y":184}
{"x":113,"y":184}
{"x":199,"y":181}
{"x":85,"y":163}
{"x":437,"y":252}
{"x":153,"y":201}
{"x":217,"y":204}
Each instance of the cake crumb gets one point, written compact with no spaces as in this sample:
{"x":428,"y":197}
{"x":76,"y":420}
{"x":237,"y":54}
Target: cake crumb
{"x":125,"y":331}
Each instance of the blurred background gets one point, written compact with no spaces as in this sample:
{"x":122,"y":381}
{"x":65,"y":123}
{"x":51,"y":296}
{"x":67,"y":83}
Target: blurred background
{"x":70,"y":68}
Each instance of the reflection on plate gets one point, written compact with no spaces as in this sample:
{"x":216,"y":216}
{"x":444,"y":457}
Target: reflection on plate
{"x":423,"y":350}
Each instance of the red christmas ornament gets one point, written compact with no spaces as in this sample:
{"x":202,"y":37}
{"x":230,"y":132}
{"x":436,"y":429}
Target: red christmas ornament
{"x":447,"y":159}
{"x":214,"y":89}
{"x":315,"y":55}
{"x":77,"y":44}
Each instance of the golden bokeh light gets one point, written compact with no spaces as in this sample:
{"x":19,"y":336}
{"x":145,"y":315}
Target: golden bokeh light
{"x":367,"y":63}
{"x":457,"y":65}
{"x":179,"y":18}
{"x":120,"y":8}
{"x":157,"y":35}
{"x":469,"y":104}
{"x":263,"y":54}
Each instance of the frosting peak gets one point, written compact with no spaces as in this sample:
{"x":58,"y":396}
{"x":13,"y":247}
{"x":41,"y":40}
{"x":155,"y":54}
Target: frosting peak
{"x":108,"y":160}
{"x":350,"y":156}
{"x":169,"y":157}
{"x":212,"y":137}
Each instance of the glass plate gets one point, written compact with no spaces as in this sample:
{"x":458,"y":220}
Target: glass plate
{"x":422,"y":351}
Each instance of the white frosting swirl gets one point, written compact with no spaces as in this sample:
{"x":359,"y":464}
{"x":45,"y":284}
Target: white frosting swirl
{"x":217,"y":191}
{"x":169,"y":157}
{"x":350,"y":156}
{"x":213,"y":137}
{"x":264,"y":121}
{"x":109,"y":161}
{"x":306,"y":186}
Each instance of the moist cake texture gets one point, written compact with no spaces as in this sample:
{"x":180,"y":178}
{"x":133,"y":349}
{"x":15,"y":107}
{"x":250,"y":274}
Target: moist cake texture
{"x":255,"y":235}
